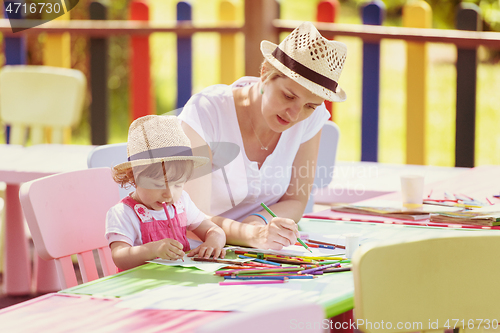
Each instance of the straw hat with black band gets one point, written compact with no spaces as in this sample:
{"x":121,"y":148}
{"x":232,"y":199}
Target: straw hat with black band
{"x":154,"y":139}
{"x":309,"y":59}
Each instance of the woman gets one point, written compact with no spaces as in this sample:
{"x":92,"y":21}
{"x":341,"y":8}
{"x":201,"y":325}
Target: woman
{"x":275,"y":122}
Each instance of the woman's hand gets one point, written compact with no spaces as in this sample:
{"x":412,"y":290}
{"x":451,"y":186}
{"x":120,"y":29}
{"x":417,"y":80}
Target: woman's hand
{"x":280,"y":232}
{"x":167,"y":248}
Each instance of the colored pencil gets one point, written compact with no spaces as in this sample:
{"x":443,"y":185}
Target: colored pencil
{"x":335,"y":270}
{"x":164,"y":204}
{"x":274,"y":215}
{"x":259,"y":277}
{"x":224,"y":261}
{"x":237,"y":283}
{"x":263,"y":277}
{"x":324,"y":243}
{"x":321,"y":246}
{"x":322,"y":268}
{"x":260,"y":271}
{"x":269,"y":263}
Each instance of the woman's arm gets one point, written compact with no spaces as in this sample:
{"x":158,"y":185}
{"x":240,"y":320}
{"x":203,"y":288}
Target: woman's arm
{"x":272,"y":236}
{"x":201,"y":199}
{"x":293,"y":203}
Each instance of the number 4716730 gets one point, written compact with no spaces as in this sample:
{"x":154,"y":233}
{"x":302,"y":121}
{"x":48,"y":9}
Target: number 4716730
{"x":40,"y":7}
{"x":472,"y":323}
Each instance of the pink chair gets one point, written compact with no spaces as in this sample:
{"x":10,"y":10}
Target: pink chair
{"x":282,"y":318}
{"x":66,"y":215}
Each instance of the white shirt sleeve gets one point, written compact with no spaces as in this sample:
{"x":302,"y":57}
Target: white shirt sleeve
{"x":122,"y":220}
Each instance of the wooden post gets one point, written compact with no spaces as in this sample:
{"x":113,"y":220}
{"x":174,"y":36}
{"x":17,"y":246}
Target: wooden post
{"x":326,"y":11}
{"x":227,"y":13}
{"x":57,"y":53}
{"x":15,"y":54}
{"x":141,"y":99}
{"x":98,"y":80}
{"x":184,"y":58}
{"x":259,"y":16}
{"x":468,"y":18}
{"x":373,"y":14}
{"x":416,"y":14}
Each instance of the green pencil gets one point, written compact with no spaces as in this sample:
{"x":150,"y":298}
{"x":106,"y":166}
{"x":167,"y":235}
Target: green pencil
{"x":274,"y":215}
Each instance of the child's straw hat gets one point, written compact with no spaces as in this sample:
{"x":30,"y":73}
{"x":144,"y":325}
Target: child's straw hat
{"x":154,"y":139}
{"x":309,"y":59}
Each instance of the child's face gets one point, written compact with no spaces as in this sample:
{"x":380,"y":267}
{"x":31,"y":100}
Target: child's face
{"x":153,"y":192}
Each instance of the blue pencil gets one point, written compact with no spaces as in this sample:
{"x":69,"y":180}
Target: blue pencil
{"x":259,"y":260}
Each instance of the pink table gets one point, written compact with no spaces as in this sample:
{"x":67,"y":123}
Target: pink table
{"x":18,"y":165}
{"x":74,"y":313}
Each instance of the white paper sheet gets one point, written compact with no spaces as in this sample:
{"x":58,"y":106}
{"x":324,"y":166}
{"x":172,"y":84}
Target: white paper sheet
{"x":189,"y":262}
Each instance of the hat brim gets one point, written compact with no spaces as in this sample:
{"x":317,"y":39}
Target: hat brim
{"x":198,"y":161}
{"x":230,"y":152}
{"x":267,"y":48}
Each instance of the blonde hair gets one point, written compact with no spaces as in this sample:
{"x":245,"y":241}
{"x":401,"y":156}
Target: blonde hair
{"x":268,"y":72}
{"x":175,"y":170}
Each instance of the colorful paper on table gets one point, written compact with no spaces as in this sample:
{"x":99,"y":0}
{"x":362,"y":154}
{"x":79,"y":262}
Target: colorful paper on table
{"x":213,"y":297}
{"x":393,"y":209}
{"x":486,"y":216}
{"x":189,"y":262}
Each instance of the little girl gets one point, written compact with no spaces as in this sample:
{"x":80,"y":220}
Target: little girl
{"x":152,"y":221}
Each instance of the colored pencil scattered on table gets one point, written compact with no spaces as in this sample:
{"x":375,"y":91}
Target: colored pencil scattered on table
{"x":324,"y":243}
{"x":236,"y":283}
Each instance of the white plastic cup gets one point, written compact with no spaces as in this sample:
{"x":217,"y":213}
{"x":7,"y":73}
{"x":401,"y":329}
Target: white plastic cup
{"x":351,"y":244}
{"x":412,"y":191}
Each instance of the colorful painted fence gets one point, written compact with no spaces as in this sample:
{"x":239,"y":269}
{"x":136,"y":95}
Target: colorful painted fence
{"x":261,"y":22}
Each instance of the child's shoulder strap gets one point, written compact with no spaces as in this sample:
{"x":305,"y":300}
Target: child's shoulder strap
{"x":129,"y":201}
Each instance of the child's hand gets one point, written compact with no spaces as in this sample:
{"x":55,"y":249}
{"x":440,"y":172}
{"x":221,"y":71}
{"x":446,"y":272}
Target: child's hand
{"x":167,"y":249}
{"x":209,"y":248}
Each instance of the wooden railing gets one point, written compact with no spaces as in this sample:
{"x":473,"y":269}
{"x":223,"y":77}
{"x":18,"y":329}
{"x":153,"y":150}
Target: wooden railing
{"x":261,"y":23}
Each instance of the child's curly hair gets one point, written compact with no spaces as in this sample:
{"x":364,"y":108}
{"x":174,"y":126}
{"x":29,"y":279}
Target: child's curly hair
{"x":175,"y":170}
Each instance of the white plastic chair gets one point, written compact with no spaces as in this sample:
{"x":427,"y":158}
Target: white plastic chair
{"x":39,"y":97}
{"x":436,"y":282}
{"x":66,"y":215}
{"x":327,"y":154}
{"x":109,"y":156}
{"x":283,"y":318}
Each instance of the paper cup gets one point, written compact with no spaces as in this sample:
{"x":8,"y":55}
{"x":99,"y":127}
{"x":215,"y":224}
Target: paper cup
{"x":412,"y":191}
{"x":351,"y":244}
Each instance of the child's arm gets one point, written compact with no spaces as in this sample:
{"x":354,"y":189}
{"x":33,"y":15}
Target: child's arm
{"x":213,"y":238}
{"x":126,"y":256}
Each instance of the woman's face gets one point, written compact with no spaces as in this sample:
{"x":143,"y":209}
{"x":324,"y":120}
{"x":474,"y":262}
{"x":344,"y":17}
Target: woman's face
{"x":285,"y":103}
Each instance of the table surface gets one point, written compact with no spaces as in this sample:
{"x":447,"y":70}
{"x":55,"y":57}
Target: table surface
{"x":356,"y":181}
{"x":67,"y":308}
{"x":20,"y":164}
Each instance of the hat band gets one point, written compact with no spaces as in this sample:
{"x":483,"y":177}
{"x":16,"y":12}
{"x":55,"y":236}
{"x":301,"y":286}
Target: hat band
{"x":162,"y":153}
{"x":306,"y":72}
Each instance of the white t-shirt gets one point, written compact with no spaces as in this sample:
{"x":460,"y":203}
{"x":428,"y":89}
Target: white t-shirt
{"x":212,"y":114}
{"x":122,"y":223}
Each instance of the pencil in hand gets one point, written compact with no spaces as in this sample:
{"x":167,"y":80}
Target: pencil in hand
{"x":274,"y":215}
